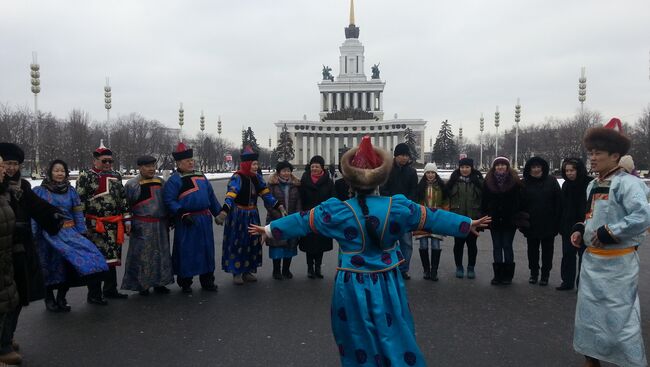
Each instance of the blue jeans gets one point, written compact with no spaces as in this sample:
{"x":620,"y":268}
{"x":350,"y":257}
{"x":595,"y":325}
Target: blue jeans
{"x":406,"y":246}
{"x":502,"y":245}
{"x":424,"y":243}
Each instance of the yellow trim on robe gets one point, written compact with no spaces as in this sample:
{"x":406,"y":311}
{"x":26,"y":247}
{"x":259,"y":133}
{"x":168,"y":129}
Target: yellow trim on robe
{"x":611,"y":252}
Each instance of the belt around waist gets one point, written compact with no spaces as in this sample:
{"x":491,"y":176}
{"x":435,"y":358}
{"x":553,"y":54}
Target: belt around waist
{"x":611,"y":252}
{"x":68,"y":224}
{"x":147,"y":219}
{"x":246,"y":207}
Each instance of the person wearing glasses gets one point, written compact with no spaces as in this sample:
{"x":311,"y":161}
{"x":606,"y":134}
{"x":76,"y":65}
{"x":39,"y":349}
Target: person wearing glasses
{"x":106,"y":208}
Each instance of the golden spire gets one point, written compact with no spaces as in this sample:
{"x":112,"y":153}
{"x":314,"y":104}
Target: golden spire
{"x":351,"y":12}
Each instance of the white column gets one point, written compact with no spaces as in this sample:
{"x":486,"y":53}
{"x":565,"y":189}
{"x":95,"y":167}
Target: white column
{"x":373,"y":139}
{"x":304,"y":149}
{"x":372,"y":101}
{"x":380,"y":140}
{"x":311,"y":148}
{"x":338,"y":101}
{"x":336,"y":149}
{"x":320,"y":145}
{"x":347,"y":99}
{"x":395,"y":140}
{"x":355,"y":100}
{"x":345,"y":141}
{"x":330,"y":101}
{"x":322,"y":102}
{"x":363,"y":101}
{"x":327,"y":149}
{"x":354,"y":141}
{"x":381,"y":102}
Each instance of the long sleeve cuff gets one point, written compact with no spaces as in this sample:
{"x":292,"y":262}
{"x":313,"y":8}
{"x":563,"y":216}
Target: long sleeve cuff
{"x":605,"y":236}
{"x":267,"y":229}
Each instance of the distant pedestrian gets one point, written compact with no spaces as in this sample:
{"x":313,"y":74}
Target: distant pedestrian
{"x":68,"y":259}
{"x":403,"y":179}
{"x":285,"y":187}
{"x":432,"y":194}
{"x":541,"y":200}
{"x":316,"y":186}
{"x":574,"y":208}
{"x":608,"y":316}
{"x":242,"y":254}
{"x":342,"y":188}
{"x":149,"y":261}
{"x":501,"y":201}
{"x":465,"y":187}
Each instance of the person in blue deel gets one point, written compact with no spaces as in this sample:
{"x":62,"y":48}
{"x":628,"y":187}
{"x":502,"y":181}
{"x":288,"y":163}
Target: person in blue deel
{"x":371,"y":320}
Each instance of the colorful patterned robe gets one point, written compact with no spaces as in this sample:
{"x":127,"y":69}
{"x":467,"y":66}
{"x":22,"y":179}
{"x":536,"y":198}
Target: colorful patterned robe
{"x":148,"y":261}
{"x":608,"y":314}
{"x":370,"y":314}
{"x":103,"y":198}
{"x":192,"y":194}
{"x":242,"y":253}
{"x":68,"y":249}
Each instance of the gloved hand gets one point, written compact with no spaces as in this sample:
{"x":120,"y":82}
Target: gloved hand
{"x":187,"y":219}
{"x":221,"y":218}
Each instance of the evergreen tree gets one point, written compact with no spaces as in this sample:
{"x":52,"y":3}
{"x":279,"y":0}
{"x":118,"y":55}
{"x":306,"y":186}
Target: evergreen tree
{"x":445,"y":149}
{"x":409,"y":139}
{"x":284,"y":151}
{"x":248,"y":138}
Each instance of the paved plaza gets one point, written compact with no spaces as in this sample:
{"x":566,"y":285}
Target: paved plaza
{"x":459,"y":322}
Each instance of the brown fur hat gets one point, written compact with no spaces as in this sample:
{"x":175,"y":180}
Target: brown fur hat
{"x":609,"y":140}
{"x":366,"y":179}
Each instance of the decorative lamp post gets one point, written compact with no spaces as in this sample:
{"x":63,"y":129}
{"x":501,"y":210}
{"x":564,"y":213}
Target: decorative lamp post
{"x":496,"y":124}
{"x":36,"y":88}
{"x":219,"y":126}
{"x":582,"y":89}
{"x":482,"y":127}
{"x":108,"y":105}
{"x":202,"y":122}
{"x":460,"y":136}
{"x":517,"y":119}
{"x":181,"y":120}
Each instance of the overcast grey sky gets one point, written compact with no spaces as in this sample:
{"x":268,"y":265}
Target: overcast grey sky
{"x":258,"y":61}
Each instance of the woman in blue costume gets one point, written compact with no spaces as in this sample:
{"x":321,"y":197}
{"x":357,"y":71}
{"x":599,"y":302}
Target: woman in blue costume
{"x":242,"y":254}
{"x":371,"y":320}
{"x":68,"y":255}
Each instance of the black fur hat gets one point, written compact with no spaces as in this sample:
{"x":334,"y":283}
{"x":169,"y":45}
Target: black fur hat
{"x":609,"y":140}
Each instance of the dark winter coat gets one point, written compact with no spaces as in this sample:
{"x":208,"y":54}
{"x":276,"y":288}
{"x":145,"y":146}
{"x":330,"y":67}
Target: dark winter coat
{"x":465,"y":197}
{"x":27,"y":206}
{"x":8,"y":292}
{"x":402,"y":180}
{"x":291,"y":204}
{"x":312,"y":195}
{"x":574,"y":197}
{"x":502,"y":204}
{"x":542,"y":200}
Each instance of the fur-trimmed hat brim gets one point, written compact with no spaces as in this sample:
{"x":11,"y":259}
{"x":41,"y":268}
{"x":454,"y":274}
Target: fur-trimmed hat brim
{"x":366,"y":179}
{"x":609,"y":140}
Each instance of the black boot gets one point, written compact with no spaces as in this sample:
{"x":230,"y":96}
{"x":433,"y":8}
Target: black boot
{"x":276,"y":269}
{"x":61,"y":301}
{"x":95,"y":296}
{"x":426,"y":265}
{"x":286,"y":264}
{"x":317,"y":264}
{"x":50,"y":302}
{"x":496,"y":267}
{"x":508,"y":273}
{"x":435,"y":261}
{"x":110,"y":285}
{"x":310,"y":267}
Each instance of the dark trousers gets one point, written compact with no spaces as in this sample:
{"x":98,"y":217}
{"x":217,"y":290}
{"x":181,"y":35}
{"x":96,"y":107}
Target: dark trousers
{"x":459,"y":247}
{"x":9,"y":324}
{"x":95,"y":283}
{"x":502,"y":245}
{"x":568,"y":267}
{"x":547,"y":255}
{"x":206,"y":280}
{"x":110,"y":281}
{"x":314,"y":258}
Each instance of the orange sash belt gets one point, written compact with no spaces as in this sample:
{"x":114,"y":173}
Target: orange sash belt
{"x":115,"y":219}
{"x":611,"y":252}
{"x":68,"y":224}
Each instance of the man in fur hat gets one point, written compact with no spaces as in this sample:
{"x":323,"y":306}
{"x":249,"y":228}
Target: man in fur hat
{"x":108,"y":218}
{"x":607,"y":322}
{"x":190,"y":199}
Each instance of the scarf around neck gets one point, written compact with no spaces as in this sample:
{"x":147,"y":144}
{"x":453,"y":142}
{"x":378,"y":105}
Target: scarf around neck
{"x":315,"y":178}
{"x":56,"y":187}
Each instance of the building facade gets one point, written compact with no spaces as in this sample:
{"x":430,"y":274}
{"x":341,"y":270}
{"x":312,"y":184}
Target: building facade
{"x":351,"y":106}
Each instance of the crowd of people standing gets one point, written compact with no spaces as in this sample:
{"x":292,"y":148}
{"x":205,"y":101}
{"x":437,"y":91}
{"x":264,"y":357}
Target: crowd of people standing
{"x":57,"y":236}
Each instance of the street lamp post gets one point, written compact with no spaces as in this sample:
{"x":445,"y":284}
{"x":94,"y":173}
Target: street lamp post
{"x":496,"y":124}
{"x":582,"y":89}
{"x":202,"y":122}
{"x":219,"y":126}
{"x":36,"y":88}
{"x":517,"y":119}
{"x":108,"y":105}
{"x":181,"y":121}
{"x":482,"y":127}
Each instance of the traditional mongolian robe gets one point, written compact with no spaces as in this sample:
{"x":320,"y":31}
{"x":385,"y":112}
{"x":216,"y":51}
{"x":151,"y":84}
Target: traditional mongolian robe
{"x":106,"y":209}
{"x":148,"y":262}
{"x":242,"y":253}
{"x":370,"y":314}
{"x":608,"y":315}
{"x":191,"y":194}
{"x":68,"y":255}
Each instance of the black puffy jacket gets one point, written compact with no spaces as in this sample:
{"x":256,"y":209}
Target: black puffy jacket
{"x":542,"y":200}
